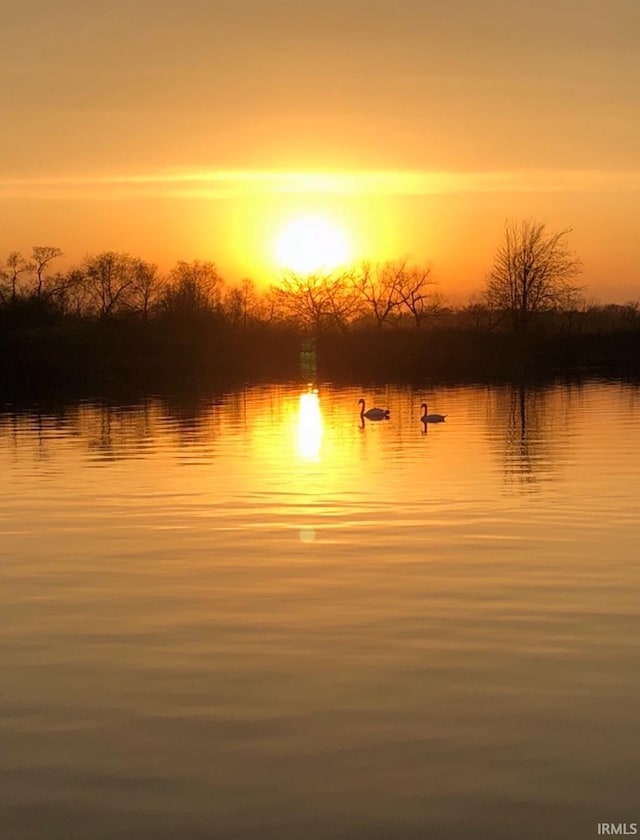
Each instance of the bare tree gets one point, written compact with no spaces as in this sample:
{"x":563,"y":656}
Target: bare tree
{"x":241,"y":303}
{"x":109,"y":278}
{"x":147,"y":287}
{"x":55,"y":288}
{"x":193,"y":287}
{"x":74,"y":293}
{"x":534,"y":271}
{"x":41,"y":256}
{"x":396,"y":285}
{"x":379,"y":288}
{"x":301,"y":298}
{"x":415,"y":290}
{"x":317,"y":301}
{"x":15,"y":266}
{"x":343,"y":300}
{"x":268,"y":309}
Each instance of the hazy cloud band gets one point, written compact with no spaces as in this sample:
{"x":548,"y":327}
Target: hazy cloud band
{"x":220,"y":184}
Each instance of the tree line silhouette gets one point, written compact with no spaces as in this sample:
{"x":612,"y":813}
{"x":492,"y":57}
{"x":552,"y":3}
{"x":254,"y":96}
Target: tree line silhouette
{"x":116,"y":315}
{"x":118,"y":285}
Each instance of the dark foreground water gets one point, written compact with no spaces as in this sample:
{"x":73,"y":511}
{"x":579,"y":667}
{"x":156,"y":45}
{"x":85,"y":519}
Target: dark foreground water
{"x":252,"y":618}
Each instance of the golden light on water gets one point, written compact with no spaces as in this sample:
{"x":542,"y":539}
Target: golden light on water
{"x":309,"y":426}
{"x":307,"y":535}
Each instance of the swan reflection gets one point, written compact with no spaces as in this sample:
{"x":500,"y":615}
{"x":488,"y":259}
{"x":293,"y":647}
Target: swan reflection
{"x":309,"y":426}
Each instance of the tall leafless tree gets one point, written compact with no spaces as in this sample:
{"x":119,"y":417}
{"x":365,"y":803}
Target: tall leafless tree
{"x":109,"y":279}
{"x":241,"y":303}
{"x":393,"y":287}
{"x":317,"y":301}
{"x":193,"y":287}
{"x":379,"y":289}
{"x":41,"y":256}
{"x":415,"y":288}
{"x":534,"y":271}
{"x":73,"y":295}
{"x":15,"y":266}
{"x":147,"y":287}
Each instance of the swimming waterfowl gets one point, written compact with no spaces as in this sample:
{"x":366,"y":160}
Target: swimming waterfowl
{"x":431,"y":418}
{"x":373,"y":413}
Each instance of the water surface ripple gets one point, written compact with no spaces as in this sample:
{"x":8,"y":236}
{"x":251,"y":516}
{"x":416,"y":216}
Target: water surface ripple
{"x":251,"y":617}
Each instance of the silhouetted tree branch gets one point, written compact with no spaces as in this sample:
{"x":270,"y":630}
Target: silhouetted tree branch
{"x":41,"y":256}
{"x":316,"y":301}
{"x":534,"y":271}
{"x":15,"y":266}
{"x":109,"y":278}
{"x":193,"y":288}
{"x":147,"y":287}
{"x":379,"y":288}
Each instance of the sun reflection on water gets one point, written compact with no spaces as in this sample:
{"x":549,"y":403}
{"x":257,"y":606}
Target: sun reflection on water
{"x":309,"y":426}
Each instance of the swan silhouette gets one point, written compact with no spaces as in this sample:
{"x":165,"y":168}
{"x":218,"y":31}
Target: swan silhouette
{"x":431,"y":418}
{"x":373,"y":413}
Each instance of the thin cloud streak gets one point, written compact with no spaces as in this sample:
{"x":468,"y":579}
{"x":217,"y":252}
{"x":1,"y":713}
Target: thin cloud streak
{"x":221,"y":184}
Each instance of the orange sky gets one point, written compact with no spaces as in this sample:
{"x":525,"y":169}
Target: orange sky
{"x":196,"y":129}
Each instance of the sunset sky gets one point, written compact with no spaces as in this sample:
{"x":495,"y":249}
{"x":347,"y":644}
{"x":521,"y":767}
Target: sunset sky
{"x":198,"y":129}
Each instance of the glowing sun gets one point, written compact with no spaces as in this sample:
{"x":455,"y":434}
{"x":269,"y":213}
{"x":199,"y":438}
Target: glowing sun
{"x":311,"y":243}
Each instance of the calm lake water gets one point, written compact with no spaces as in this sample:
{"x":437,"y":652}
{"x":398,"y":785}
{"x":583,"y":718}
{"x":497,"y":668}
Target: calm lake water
{"x":249,"y":617}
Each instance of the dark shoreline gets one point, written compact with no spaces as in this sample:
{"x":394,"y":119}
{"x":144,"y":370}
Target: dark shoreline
{"x":114,"y":360}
